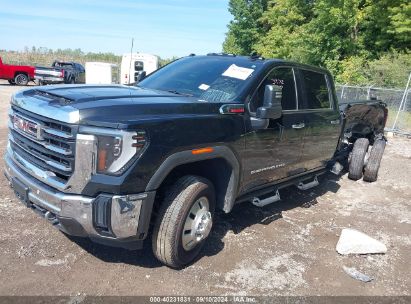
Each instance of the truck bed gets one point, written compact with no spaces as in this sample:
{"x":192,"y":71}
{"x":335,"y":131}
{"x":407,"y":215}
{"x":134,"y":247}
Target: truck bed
{"x":49,"y":75}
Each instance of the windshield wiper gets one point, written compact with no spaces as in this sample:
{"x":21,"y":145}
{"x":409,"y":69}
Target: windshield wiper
{"x":180,"y":93}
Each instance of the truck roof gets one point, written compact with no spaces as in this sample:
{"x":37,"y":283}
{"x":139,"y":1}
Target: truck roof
{"x":264,"y":61}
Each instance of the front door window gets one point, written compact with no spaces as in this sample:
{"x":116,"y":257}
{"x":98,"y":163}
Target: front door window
{"x":284,"y":78}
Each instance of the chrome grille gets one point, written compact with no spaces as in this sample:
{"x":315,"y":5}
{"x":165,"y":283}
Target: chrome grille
{"x":51,"y":148}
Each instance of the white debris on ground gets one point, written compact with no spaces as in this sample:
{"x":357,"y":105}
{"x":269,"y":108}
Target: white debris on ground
{"x":355,"y":274}
{"x":56,"y":262}
{"x":47,"y":263}
{"x":355,"y":242}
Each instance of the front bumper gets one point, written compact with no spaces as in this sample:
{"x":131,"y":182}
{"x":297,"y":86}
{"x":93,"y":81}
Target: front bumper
{"x":114,"y":220}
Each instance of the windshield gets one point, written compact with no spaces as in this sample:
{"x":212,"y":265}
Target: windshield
{"x":209,"y":78}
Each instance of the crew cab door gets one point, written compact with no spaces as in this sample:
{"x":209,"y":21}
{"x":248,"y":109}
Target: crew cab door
{"x":273,"y":152}
{"x":322,"y":118}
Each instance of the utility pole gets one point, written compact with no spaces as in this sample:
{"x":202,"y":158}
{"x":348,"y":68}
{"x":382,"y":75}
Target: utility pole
{"x":131,"y":56}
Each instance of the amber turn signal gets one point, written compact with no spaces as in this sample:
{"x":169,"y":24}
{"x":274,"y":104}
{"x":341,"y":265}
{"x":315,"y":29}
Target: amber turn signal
{"x":202,"y":150}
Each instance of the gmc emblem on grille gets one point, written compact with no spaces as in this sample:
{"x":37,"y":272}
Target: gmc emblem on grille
{"x":28,"y":127}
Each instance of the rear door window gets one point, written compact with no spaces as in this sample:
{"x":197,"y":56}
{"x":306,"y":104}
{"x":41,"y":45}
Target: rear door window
{"x":315,"y":90}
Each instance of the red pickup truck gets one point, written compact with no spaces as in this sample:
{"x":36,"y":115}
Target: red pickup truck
{"x":16,"y":74}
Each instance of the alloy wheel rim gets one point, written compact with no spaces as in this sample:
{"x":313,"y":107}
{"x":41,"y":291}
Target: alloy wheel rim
{"x":20,"y":79}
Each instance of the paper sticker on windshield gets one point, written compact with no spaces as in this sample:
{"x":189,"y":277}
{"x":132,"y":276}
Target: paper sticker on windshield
{"x":235,"y":71}
{"x":204,"y":87}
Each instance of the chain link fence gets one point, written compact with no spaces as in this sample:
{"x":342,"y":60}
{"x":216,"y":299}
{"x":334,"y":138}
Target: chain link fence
{"x":398,"y":103}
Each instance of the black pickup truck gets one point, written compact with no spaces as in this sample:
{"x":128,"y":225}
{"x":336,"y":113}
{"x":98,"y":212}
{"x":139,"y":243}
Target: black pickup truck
{"x":117,"y":164}
{"x":61,"y":72}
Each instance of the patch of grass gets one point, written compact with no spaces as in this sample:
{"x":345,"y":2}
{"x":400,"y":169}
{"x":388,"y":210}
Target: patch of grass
{"x":403,"y":122}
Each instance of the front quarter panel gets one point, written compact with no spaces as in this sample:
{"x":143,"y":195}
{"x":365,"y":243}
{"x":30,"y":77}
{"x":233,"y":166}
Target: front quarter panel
{"x":167,"y":137}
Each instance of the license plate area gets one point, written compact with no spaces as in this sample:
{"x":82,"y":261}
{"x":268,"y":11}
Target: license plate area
{"x":21,"y":191}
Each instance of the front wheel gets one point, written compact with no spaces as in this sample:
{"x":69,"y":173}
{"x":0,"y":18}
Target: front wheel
{"x":184,"y":221}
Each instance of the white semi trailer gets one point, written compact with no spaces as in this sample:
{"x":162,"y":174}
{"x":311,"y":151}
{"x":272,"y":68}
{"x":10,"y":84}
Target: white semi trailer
{"x":101,"y":73}
{"x":133,"y":64}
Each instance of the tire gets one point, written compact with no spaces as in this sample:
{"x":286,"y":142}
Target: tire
{"x":21,"y":79}
{"x":374,"y":161}
{"x":11,"y":81}
{"x":175,"y":216}
{"x":359,"y":151}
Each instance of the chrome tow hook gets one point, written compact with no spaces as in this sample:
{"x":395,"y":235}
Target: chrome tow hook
{"x":51,"y":217}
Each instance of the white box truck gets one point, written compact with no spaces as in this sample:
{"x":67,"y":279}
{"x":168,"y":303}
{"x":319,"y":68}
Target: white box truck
{"x":101,"y":73}
{"x":133,"y":64}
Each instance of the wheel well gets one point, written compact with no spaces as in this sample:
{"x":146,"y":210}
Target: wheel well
{"x":218,"y":171}
{"x":19,"y":72}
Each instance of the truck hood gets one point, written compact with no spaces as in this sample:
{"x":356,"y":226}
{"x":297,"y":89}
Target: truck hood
{"x":111,"y":106}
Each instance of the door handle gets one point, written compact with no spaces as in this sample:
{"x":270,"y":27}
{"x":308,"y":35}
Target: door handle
{"x":298,"y":126}
{"x":335,"y":122}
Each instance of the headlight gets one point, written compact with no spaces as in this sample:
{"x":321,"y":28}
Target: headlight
{"x":116,"y":148}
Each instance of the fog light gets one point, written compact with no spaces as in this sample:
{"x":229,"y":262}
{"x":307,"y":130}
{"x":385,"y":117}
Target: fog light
{"x":101,"y":212}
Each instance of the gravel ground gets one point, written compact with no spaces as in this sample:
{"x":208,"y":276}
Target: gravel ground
{"x":284,"y":249}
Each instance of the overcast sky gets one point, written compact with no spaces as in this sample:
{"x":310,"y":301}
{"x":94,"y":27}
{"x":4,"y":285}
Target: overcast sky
{"x":162,"y":27}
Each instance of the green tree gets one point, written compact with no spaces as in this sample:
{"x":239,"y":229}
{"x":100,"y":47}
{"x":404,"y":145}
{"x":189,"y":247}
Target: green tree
{"x":375,"y":28}
{"x":282,"y":23}
{"x":333,"y":34}
{"x":353,"y":71}
{"x":244,"y":30}
{"x":165,"y":61}
{"x":231,"y":46}
{"x":400,"y":24}
{"x":349,"y":37}
{"x":391,"y":70}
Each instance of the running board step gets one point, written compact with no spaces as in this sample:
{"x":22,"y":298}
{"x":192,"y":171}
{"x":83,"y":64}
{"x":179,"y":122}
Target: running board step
{"x":309,"y":185}
{"x":269,"y":200}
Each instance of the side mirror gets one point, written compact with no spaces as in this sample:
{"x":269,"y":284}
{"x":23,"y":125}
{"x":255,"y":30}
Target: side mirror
{"x":271,"y":108}
{"x":141,"y":76}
